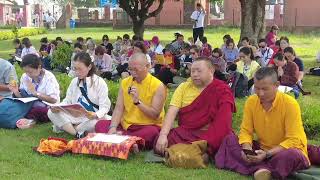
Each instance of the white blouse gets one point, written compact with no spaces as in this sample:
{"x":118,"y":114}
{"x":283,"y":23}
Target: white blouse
{"x":48,"y":85}
{"x":97,"y":93}
{"x":30,"y":50}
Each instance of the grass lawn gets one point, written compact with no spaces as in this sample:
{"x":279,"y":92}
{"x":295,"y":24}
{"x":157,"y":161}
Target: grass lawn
{"x":18,"y":161}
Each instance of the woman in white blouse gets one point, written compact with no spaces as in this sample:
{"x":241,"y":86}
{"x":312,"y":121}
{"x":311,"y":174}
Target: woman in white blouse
{"x":87,"y":89}
{"x":28,"y":48}
{"x":37,"y":82}
{"x":103,"y":62}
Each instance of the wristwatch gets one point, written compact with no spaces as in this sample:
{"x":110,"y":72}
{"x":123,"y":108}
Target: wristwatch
{"x":137,"y":103}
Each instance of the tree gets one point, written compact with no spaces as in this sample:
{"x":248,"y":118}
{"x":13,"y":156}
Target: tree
{"x":138,"y":10}
{"x":85,"y":3}
{"x":252,"y":19}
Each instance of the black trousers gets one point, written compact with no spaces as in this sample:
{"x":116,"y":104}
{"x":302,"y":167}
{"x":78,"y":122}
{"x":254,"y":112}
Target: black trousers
{"x":198,"y":32}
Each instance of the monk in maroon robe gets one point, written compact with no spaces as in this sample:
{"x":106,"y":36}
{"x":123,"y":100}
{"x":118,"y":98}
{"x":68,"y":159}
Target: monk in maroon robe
{"x":204,"y":106}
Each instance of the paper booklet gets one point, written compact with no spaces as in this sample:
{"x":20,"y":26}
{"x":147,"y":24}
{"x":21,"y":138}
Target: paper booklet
{"x":18,"y":59}
{"x":284,"y":89}
{"x":109,"y":138}
{"x":25,"y":100}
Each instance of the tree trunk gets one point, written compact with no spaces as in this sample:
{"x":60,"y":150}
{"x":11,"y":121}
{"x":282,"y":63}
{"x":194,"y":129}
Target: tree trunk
{"x":138,"y":28}
{"x":252,"y":19}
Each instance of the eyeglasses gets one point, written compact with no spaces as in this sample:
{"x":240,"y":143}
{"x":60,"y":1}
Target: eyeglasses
{"x":193,"y":53}
{"x":261,"y":46}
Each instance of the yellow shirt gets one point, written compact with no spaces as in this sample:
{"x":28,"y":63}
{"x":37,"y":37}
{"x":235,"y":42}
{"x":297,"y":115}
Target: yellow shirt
{"x":248,"y":71}
{"x":281,"y":125}
{"x":185,"y":94}
{"x":146,"y":89}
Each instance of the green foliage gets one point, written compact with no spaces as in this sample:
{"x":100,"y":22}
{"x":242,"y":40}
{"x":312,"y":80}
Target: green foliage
{"x":15,"y":33}
{"x":62,"y":56}
{"x":6,"y":26}
{"x":85,"y":3}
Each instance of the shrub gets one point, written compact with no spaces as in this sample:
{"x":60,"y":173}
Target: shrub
{"x":4,"y":35}
{"x":61,"y":57}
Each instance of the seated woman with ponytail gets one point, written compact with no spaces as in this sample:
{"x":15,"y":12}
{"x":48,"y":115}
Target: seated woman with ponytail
{"x":88,"y":89}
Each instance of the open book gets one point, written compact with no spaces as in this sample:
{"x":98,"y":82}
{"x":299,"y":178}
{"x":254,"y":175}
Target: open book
{"x":24,"y":100}
{"x":18,"y":58}
{"x":74,"y":109}
{"x":284,"y":89}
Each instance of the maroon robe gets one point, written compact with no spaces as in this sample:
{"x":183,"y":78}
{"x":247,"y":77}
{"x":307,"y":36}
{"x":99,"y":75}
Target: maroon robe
{"x":208,"y":117}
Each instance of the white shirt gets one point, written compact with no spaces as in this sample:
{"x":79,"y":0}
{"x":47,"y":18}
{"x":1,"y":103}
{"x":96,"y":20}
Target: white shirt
{"x":148,"y":59}
{"x":97,"y":93}
{"x":104,"y":64}
{"x":199,"y":17}
{"x":265,"y":57}
{"x":30,"y":50}
{"x":48,"y":85}
{"x":158,"y":49}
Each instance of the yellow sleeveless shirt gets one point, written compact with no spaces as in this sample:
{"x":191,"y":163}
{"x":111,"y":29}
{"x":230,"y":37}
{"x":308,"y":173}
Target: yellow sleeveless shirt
{"x":146,"y":89}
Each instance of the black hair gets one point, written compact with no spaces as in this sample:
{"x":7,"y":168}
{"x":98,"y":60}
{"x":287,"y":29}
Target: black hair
{"x":59,"y":39}
{"x":289,"y":50}
{"x":26,"y":42}
{"x":285,"y":38}
{"x":245,"y":39}
{"x":79,"y":39}
{"x":44,"y":40}
{"x":261,"y":40}
{"x":86,"y":60}
{"x":195,"y":48}
{"x":105,"y":37}
{"x":118,"y":37}
{"x":16,"y":41}
{"x":88,"y":38}
{"x":204,"y":40}
{"x":232,"y":67}
{"x":279,"y":57}
{"x":277,"y":43}
{"x":227,"y":36}
{"x":31,"y":60}
{"x":229,"y":41}
{"x":54,"y":42}
{"x":247,"y":51}
{"x":78,"y":45}
{"x":217,"y":50}
{"x":126,"y":36}
{"x":140,"y":45}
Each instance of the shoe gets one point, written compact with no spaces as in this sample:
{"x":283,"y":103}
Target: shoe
{"x":80,"y":135}
{"x":262,"y":174}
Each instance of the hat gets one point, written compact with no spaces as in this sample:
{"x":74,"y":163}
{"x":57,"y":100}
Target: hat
{"x":155,"y":40}
{"x":275,"y":27}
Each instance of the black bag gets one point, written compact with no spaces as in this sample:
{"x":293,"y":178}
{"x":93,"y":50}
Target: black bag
{"x":239,"y":85}
{"x":315,"y":71}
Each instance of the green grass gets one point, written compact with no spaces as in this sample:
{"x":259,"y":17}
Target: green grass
{"x":17,"y":160}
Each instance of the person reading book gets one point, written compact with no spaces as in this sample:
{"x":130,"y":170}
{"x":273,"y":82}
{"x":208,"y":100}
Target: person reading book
{"x":7,"y":76}
{"x":274,"y":119}
{"x":139,"y":110}
{"x":204,"y":106}
{"x":87,"y":89}
{"x":37,"y":82}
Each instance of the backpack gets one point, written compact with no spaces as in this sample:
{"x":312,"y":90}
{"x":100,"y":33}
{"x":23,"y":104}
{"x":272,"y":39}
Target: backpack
{"x":315,"y":71}
{"x":239,"y":85}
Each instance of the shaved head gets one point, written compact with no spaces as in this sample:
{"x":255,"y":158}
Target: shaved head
{"x":139,"y":58}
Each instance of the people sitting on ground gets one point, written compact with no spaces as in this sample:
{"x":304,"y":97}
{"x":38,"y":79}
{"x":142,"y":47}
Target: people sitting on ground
{"x":106,"y":43}
{"x":265,"y":53}
{"x":37,"y":82}
{"x":271,"y":37}
{"x":88,"y":89}
{"x":7,"y":76}
{"x":290,"y":55}
{"x":276,"y":154}
{"x":219,"y":64}
{"x":177,"y":46}
{"x":206,"y":48}
{"x":194,"y":53}
{"x":225,"y":38}
{"x":230,"y":53}
{"x":77,"y":48}
{"x":117,"y":48}
{"x":80,"y":40}
{"x":166,"y":70}
{"x":139,"y":109}
{"x":190,"y":41}
{"x":139,"y":46}
{"x":287,"y":71}
{"x":245,"y":42}
{"x":18,"y":50}
{"x":28,"y":48}
{"x":204,"y":106}
{"x":156,"y":47}
{"x":103,"y":63}
{"x":91,"y":48}
{"x":275,"y":47}
{"x":44,"y":46}
{"x":284,"y":42}
{"x":59,"y":41}
{"x":247,"y":65}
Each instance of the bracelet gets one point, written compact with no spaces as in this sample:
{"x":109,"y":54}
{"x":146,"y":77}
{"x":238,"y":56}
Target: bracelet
{"x":112,"y":126}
